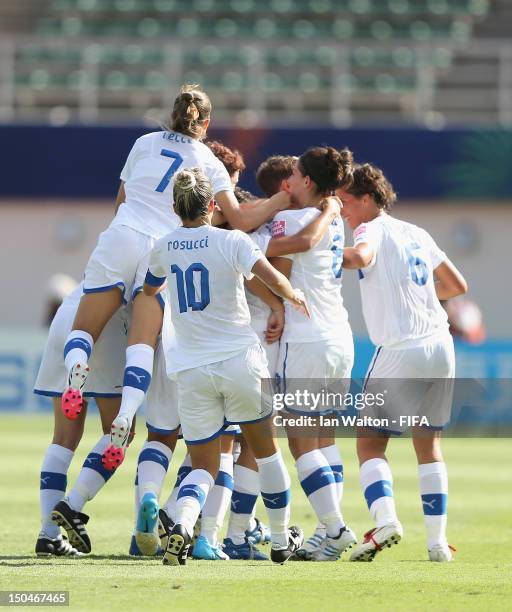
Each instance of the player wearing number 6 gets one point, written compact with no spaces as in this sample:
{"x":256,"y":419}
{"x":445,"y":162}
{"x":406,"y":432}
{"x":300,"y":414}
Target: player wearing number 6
{"x":403,"y":275}
{"x":217,"y":359}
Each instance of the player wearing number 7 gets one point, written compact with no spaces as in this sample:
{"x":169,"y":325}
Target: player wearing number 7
{"x":217,"y":359}
{"x":403,"y":275}
{"x":143,"y":216}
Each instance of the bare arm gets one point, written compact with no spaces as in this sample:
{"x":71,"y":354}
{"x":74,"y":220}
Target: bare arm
{"x":275,"y":323}
{"x":250,"y":217}
{"x":121,"y":197}
{"x":308,"y":237}
{"x":278,"y":283}
{"x":357,"y":257}
{"x":449,"y":281}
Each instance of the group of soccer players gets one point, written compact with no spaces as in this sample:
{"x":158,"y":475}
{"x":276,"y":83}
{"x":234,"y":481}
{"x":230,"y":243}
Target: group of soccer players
{"x":196,"y":296}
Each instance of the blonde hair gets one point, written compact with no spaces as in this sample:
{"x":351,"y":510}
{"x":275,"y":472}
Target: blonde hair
{"x":192,"y":107}
{"x":192,"y":193}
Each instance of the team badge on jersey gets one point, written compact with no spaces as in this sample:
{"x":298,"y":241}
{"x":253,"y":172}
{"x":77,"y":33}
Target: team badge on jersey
{"x":278,"y":228}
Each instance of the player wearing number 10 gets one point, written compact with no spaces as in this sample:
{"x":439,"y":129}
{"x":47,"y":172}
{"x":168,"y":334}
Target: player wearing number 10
{"x":403,"y":275}
{"x":217,"y":359}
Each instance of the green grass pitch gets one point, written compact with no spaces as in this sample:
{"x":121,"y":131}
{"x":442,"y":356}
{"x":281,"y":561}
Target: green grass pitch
{"x":401,"y":578}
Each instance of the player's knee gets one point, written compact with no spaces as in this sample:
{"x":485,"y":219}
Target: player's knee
{"x":168,"y":439}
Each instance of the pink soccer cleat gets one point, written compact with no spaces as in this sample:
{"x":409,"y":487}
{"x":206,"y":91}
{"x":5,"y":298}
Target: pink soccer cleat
{"x":72,"y":400}
{"x":113,"y":455}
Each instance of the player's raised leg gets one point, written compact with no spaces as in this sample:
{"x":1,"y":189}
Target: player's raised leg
{"x":94,"y":312}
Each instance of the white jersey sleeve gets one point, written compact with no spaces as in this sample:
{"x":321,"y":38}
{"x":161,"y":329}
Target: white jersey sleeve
{"x":370,"y":235}
{"x":131,"y":160}
{"x":286,"y":224}
{"x":437,"y":256}
{"x":246,"y":253}
{"x":157,"y":271}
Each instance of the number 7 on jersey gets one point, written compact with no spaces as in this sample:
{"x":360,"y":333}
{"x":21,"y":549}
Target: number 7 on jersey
{"x":176,"y":163}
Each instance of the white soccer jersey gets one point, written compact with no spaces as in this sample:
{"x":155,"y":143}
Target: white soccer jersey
{"x":148,"y":175}
{"x":397,"y":288}
{"x":317,"y":273}
{"x":204,"y":267}
{"x":258,"y":310}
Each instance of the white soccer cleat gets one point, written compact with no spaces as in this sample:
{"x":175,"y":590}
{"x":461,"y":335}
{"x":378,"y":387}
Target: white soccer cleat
{"x":333,"y":548}
{"x":441,"y":553}
{"x":376,"y":540}
{"x":311,"y":546}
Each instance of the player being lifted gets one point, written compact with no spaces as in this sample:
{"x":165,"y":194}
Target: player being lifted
{"x":217,"y":359}
{"x":318,"y":350}
{"x":403,"y":275}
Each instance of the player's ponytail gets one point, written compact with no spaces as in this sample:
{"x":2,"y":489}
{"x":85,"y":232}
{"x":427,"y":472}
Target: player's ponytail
{"x":192,"y":193}
{"x":326,"y":167}
{"x":192,"y":107}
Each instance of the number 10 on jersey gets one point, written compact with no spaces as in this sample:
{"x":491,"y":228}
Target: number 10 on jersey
{"x":186,"y":290}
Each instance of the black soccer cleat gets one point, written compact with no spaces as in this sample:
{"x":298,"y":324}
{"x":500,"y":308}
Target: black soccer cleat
{"x":58,"y":547}
{"x":74,"y":523}
{"x":165,"y":525}
{"x":177,"y":546}
{"x":281,"y":554}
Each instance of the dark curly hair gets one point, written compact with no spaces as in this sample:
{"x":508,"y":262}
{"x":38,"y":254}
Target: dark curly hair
{"x":368,"y":179}
{"x":231,"y":158}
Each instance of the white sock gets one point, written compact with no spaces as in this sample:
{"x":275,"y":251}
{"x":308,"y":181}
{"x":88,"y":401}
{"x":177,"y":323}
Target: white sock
{"x":183,"y":471}
{"x":217,"y":502}
{"x":152,"y":466}
{"x":77,"y":348}
{"x":137,"y":377}
{"x":246,"y":488}
{"x":275,"y":492}
{"x":92,"y":476}
{"x":191,"y":497}
{"x":333,"y":456}
{"x":377,"y":484}
{"x":53,"y":482}
{"x":317,"y":480}
{"x":434,"y":496}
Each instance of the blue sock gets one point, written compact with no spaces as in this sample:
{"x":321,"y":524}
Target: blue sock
{"x":183,"y":471}
{"x":377,"y":484}
{"x":137,"y":377}
{"x":434,"y":497}
{"x":275,"y":492}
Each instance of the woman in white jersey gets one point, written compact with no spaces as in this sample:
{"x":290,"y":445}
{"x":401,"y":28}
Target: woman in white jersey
{"x":403,"y":275}
{"x":221,"y":363}
{"x":142,"y":217}
{"x":319,"y":350}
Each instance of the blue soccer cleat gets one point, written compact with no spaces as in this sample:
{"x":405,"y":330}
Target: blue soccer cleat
{"x":260,"y":534}
{"x":204,"y":550}
{"x":146,"y":531}
{"x":243,"y":552}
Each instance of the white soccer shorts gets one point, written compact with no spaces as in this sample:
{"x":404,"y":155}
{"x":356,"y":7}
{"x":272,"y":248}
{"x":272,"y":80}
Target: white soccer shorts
{"x":162,"y":398}
{"x":120,"y":257}
{"x":315,"y":366}
{"x":106,"y":362}
{"x":416,"y":381}
{"x":225,"y":392}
